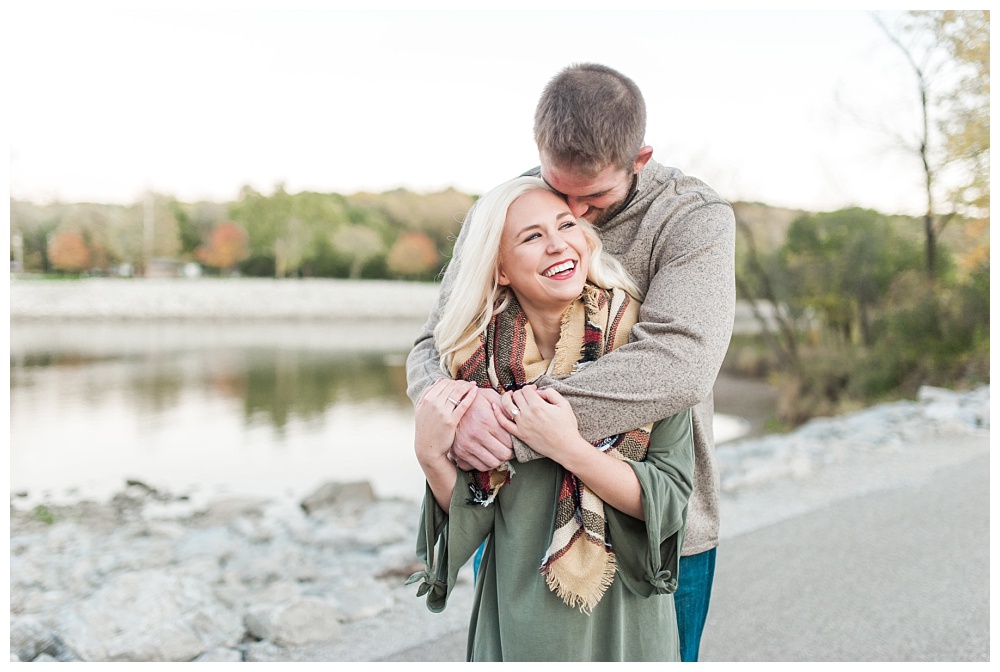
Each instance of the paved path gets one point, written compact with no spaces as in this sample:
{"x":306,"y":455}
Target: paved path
{"x":900,"y":575}
{"x":897,"y":574}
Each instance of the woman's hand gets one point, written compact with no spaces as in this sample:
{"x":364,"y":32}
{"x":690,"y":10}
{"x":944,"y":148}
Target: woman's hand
{"x":437,"y":414}
{"x":545,"y":421}
{"x":542,"y":418}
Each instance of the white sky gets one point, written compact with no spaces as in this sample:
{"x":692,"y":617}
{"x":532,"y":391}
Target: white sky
{"x":103,"y":104}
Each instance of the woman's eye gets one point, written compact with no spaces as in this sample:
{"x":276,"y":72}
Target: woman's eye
{"x":567,"y":224}
{"x":532,"y":236}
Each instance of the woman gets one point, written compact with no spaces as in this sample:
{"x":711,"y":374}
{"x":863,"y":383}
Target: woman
{"x":583,"y":543}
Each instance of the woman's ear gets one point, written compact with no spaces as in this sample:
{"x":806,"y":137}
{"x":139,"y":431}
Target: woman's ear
{"x":502,"y":278}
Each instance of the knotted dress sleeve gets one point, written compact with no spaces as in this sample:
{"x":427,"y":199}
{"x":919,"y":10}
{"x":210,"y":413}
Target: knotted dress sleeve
{"x":648,"y":552}
{"x":446,"y":541}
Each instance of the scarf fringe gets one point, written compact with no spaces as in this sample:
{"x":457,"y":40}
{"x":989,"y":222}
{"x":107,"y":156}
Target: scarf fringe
{"x":573,"y":596}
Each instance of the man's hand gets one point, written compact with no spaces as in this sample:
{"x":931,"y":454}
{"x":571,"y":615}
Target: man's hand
{"x":480,"y":443}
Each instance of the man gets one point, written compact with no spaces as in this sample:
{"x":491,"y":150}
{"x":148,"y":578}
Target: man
{"x":677,"y":238}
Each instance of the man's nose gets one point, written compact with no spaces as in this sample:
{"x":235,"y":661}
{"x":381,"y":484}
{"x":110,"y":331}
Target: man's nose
{"x":577,"y":206}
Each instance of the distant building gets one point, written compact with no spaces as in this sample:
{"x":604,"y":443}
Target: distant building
{"x":162,"y":268}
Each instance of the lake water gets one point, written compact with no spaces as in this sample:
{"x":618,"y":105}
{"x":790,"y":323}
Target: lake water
{"x":206,"y":409}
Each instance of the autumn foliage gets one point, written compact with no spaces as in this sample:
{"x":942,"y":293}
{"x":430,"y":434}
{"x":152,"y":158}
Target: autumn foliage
{"x":68,"y":252}
{"x":226,"y":246}
{"x":413,"y":255}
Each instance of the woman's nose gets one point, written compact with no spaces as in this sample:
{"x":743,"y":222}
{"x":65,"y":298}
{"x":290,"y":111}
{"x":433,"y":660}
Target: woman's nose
{"x":556,"y":244}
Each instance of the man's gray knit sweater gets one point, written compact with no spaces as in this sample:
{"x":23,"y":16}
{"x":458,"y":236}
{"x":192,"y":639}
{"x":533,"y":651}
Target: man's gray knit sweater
{"x":677,"y":239}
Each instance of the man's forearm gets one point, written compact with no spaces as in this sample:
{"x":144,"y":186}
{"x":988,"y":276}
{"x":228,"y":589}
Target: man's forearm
{"x":423,"y":364}
{"x":676,"y":348}
{"x":621,"y":391}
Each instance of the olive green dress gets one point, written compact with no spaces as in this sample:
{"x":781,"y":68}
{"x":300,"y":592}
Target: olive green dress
{"x":515,"y":617}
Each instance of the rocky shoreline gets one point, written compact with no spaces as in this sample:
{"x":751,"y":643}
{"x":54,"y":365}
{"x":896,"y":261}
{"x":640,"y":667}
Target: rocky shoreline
{"x":150,"y":576}
{"x":147,"y":577}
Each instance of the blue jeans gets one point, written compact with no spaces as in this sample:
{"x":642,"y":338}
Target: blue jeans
{"x":694,"y":590}
{"x":476,"y":560}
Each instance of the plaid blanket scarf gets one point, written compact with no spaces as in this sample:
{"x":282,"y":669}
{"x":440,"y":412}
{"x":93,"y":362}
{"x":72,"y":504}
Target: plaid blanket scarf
{"x":579,"y":564}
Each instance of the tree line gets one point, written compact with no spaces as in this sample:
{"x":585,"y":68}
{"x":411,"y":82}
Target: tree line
{"x":860,"y":319}
{"x":397,"y":234}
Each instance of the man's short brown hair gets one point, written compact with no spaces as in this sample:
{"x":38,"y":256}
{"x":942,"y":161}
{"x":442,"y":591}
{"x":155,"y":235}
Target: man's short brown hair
{"x":589,"y":117}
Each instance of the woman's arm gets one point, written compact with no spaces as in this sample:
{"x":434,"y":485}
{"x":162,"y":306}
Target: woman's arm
{"x":545,"y":421}
{"x":436,"y":416}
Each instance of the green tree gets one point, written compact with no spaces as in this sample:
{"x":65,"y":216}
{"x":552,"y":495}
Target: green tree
{"x":284,"y":229}
{"x":36,"y":224}
{"x":359,"y":244}
{"x":840,"y":264}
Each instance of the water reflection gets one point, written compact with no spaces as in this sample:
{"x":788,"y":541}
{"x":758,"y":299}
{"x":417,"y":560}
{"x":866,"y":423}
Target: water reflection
{"x":243,"y":408}
{"x":275,"y":386}
{"x":207,"y":409}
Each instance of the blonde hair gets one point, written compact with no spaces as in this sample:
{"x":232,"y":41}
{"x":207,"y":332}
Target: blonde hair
{"x":476,"y":293}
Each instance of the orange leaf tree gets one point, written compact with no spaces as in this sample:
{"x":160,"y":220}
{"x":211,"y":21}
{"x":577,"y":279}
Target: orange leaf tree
{"x":414,"y":254}
{"x":226,"y":247}
{"x":68,"y":252}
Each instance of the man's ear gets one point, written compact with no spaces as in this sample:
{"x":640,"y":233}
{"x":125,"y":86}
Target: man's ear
{"x":645,"y":154}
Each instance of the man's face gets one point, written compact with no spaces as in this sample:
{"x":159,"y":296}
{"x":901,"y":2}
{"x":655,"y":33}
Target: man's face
{"x":594,"y":198}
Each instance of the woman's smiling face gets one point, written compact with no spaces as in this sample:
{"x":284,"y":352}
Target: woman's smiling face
{"x":544,"y":255}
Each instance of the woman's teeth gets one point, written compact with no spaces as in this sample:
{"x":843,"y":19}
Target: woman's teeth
{"x":559,"y":268}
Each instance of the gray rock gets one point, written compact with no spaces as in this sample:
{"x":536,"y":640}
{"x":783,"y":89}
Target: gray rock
{"x":149,"y":616}
{"x":929,"y":393}
{"x":224,"y":511}
{"x":264,"y":652}
{"x":335,"y":495}
{"x":216,"y":543}
{"x":366,"y":598}
{"x":220,"y":655}
{"x":306,"y":621}
{"x":253,"y":530}
{"x":30,"y":638}
{"x":265,"y":565}
{"x":279,"y":592}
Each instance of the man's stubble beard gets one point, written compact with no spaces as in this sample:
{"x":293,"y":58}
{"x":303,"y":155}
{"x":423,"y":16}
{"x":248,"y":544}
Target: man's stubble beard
{"x":606,"y":214}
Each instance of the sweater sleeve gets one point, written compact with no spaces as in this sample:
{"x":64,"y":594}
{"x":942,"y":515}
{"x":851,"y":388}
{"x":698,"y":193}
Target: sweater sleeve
{"x":446,"y":541}
{"x":677,"y":347}
{"x":648,"y":552}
